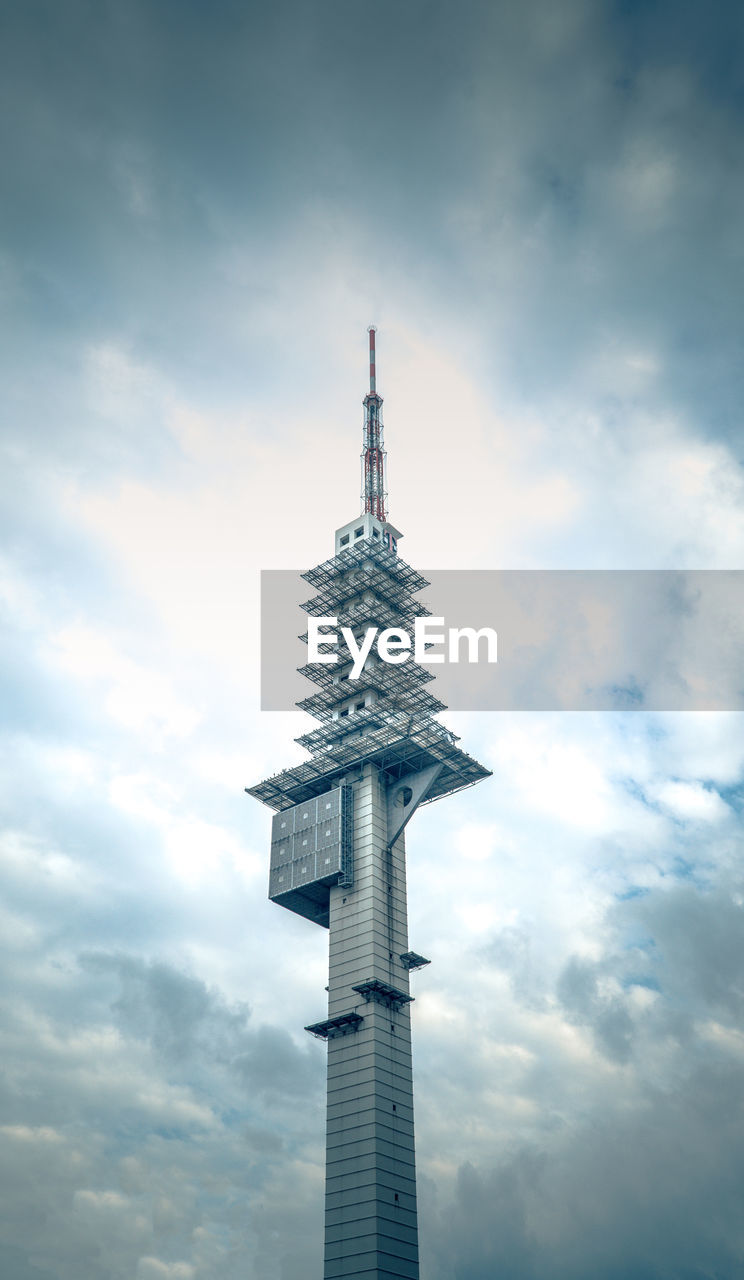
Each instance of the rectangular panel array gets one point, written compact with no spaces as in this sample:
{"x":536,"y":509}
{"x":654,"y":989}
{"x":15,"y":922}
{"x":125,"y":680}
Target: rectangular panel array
{"x":311,"y":849}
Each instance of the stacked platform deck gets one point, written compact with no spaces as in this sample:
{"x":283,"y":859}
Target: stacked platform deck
{"x":369,"y":585}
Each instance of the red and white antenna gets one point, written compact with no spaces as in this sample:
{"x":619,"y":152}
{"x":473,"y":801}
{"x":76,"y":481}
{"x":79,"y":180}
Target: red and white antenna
{"x":373,"y":453}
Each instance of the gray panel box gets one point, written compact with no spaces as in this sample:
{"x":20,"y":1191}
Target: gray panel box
{"x":312,"y":849}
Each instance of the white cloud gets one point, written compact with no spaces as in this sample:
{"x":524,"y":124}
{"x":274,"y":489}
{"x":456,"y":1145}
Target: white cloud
{"x":687,"y":800}
{"x":133,"y":695}
{"x":41,"y":1134}
{"x":100,"y":1201}
{"x":196,"y":849}
{"x":149,"y":1268}
{"x":561,"y":779}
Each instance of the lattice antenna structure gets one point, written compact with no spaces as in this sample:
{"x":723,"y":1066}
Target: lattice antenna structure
{"x":374,"y":495}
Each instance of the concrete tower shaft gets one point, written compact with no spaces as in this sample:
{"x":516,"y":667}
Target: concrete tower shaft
{"x":371,"y":1224}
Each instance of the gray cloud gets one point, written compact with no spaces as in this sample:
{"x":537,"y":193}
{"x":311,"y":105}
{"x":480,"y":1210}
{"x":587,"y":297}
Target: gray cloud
{"x":155,"y":1134}
{"x":642,"y":1181}
{"x":186,"y":1024}
{"x":644,"y":1194}
{"x":569,"y":181}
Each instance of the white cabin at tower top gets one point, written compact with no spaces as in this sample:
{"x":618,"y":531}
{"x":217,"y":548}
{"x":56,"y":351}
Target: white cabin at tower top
{"x":379,"y":532}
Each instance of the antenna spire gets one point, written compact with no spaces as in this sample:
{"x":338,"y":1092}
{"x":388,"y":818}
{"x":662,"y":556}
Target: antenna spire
{"x":372,"y":332}
{"x":373,"y":450}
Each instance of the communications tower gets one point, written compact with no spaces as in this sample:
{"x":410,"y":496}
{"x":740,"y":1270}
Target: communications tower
{"x":338,"y":859}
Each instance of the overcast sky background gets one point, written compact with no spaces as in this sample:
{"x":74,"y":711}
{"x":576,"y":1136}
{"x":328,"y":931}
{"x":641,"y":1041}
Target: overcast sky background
{"x":202,"y":209}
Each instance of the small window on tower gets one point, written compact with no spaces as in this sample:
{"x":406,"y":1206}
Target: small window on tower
{"x":358,"y":532}
{"x":345,"y":712}
{"x":375,"y":533}
{"x":345,"y":540}
{"x":360,"y":706}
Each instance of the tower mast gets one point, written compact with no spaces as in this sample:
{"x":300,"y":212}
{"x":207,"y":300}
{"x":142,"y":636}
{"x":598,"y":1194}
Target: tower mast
{"x":373,"y":450}
{"x":338,"y":858}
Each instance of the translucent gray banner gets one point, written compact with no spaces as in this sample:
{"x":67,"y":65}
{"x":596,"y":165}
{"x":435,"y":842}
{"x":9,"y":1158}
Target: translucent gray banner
{"x":571,"y":640}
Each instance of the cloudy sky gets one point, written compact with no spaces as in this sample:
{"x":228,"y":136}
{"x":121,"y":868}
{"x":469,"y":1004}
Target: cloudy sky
{"x":203,"y":207}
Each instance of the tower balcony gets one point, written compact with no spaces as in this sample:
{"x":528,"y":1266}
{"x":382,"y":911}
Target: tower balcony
{"x":376,"y":556}
{"x":394,"y":749}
